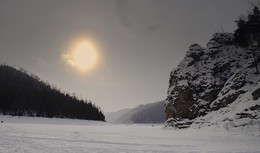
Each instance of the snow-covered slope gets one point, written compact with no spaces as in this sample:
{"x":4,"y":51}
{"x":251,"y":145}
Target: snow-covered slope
{"x":243,"y":114}
{"x":215,"y":80}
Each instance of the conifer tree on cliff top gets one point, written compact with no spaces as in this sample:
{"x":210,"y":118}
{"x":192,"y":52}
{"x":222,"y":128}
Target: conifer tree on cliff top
{"x":248,"y":33}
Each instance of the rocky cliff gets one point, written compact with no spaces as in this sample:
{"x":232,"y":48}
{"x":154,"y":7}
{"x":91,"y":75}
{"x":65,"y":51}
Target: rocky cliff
{"x":211,"y":78}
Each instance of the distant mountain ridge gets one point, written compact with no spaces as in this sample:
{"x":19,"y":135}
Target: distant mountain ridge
{"x":112,"y":117}
{"x":148,"y":113}
{"x":26,"y":95}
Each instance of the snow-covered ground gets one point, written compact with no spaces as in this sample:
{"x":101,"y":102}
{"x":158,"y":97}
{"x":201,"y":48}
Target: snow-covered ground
{"x":28,"y":134}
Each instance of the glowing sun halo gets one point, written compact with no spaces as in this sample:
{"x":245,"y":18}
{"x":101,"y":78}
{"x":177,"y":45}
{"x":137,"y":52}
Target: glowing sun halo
{"x":83,"y":56}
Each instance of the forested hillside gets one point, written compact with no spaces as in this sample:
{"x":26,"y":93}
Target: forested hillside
{"x":25,"y":94}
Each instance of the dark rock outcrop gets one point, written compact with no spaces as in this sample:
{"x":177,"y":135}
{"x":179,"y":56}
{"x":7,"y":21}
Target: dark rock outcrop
{"x":256,"y":94}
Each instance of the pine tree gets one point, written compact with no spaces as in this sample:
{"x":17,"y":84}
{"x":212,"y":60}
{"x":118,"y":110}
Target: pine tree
{"x":248,"y":33}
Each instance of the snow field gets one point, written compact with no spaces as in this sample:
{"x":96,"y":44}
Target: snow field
{"x":31,"y":135}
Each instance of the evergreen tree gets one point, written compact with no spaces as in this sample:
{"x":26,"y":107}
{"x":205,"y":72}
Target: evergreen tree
{"x":248,"y":33}
{"x":248,"y":30}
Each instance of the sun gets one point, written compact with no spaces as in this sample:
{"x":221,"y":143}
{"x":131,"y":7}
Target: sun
{"x":82,"y":56}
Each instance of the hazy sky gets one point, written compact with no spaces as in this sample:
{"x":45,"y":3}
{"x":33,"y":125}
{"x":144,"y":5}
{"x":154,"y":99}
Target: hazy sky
{"x":138,"y":42}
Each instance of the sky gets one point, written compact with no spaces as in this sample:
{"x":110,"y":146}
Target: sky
{"x":136,"y":43}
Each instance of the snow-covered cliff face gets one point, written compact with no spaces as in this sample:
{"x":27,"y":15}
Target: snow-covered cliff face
{"x":211,"y":78}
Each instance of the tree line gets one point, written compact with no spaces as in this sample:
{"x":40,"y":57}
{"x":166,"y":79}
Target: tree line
{"x":248,"y":30}
{"x":247,"y":35}
{"x":25,"y":94}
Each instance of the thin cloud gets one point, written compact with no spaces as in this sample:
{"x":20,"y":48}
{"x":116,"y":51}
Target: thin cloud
{"x":40,"y":61}
{"x":67,"y":58}
{"x":142,"y":20}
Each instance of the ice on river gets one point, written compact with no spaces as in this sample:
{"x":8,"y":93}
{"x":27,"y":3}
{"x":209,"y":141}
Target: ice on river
{"x":28,"y":134}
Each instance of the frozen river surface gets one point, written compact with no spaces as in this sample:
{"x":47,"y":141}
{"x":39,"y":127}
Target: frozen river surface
{"x":62,"y":135}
